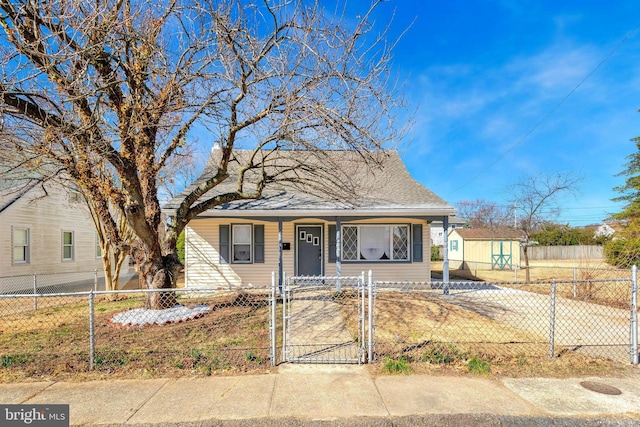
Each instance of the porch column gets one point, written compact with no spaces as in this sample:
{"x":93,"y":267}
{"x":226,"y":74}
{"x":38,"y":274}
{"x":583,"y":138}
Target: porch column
{"x":280,"y":267}
{"x":445,"y":254}
{"x":338,"y":260}
{"x":338,"y":246}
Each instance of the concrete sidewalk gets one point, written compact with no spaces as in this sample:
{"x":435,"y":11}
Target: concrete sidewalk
{"x":336,"y":394}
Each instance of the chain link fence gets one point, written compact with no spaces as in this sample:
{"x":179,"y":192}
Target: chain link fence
{"x":441,"y":323}
{"x":314,"y":320}
{"x":325,"y":320}
{"x":103,"y":332}
{"x":52,"y":283}
{"x":574,"y":270}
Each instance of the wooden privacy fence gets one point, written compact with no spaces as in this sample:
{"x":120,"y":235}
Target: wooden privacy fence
{"x":564,"y":252}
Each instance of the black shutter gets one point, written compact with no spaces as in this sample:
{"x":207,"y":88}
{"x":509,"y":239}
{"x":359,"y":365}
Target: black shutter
{"x":224,"y":244}
{"x":417,"y":243}
{"x":258,"y":243}
{"x":332,"y":243}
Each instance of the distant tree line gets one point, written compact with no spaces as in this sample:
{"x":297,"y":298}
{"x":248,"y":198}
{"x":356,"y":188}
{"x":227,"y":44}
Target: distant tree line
{"x":565,"y":235}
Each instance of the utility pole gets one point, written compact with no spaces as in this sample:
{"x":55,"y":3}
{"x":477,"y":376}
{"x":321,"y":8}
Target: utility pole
{"x":515,"y":215}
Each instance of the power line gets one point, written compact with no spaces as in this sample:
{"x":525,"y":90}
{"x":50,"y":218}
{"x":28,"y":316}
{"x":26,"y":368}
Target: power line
{"x":553,"y":110}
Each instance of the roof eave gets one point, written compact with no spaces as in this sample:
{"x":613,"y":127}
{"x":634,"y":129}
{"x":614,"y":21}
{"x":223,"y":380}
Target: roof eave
{"x":372,"y":212}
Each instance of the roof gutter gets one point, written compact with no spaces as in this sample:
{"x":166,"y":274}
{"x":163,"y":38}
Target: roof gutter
{"x":385,"y":212}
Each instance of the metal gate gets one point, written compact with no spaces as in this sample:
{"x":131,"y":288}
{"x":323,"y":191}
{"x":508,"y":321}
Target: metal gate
{"x":327,"y":320}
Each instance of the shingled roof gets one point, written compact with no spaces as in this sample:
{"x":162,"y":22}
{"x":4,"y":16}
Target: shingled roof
{"x":384,"y":186}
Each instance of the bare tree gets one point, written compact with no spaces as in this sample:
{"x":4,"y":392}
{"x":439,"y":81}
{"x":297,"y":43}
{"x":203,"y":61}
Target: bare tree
{"x":538,"y":198}
{"x":126,"y":84}
{"x":113,"y":257}
{"x":481,"y":213}
{"x":180,"y":171}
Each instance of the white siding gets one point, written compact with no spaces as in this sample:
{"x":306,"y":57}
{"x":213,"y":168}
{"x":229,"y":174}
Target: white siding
{"x":203,"y":268}
{"x":47,"y":217}
{"x":456,"y":250}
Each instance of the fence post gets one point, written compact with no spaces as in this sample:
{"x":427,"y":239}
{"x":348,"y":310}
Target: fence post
{"x":575,"y":283}
{"x":35,"y":291}
{"x":634,"y":315}
{"x":272,"y":301}
{"x":283,"y":291}
{"x":363,"y":315}
{"x":92,"y":332}
{"x":370,"y":318}
{"x":95,"y":280}
{"x":552,"y":320}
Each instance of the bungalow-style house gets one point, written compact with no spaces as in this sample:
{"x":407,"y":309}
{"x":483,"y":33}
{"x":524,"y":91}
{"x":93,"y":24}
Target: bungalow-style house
{"x":484,"y":248}
{"x":45,"y":230}
{"x":382,"y":224}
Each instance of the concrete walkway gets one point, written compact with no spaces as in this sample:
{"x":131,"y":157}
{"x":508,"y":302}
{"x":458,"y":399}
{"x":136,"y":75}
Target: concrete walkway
{"x":317,"y":330}
{"x":337,"y":394}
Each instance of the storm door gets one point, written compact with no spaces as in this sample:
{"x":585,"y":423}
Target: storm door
{"x":309,"y":252}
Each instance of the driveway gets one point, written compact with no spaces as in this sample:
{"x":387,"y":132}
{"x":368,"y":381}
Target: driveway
{"x":597,"y":330}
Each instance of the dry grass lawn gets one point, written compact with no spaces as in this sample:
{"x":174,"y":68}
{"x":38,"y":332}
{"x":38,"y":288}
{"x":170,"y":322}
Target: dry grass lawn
{"x":431,"y":335}
{"x":437,"y":337}
{"x":53,"y":343}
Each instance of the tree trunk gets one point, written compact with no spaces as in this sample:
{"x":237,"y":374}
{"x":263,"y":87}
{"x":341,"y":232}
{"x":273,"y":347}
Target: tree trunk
{"x":120,"y":257}
{"x":161,"y":274}
{"x":106,"y":267}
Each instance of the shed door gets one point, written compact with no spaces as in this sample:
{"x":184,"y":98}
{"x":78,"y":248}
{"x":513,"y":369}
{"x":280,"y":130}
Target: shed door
{"x":309,"y":250}
{"x":501,"y":254}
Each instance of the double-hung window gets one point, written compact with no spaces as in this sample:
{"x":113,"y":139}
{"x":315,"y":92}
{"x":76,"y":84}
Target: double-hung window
{"x":375,"y":243}
{"x":241,"y":243}
{"x":20,"y":237}
{"x":98,"y":247}
{"x":67,"y":245}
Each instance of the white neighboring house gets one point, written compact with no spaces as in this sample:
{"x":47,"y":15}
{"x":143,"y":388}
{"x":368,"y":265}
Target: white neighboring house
{"x":46,"y":231}
{"x":437,"y":230}
{"x":609,"y":229}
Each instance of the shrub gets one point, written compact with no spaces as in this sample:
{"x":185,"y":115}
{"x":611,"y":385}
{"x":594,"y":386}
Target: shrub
{"x":435,"y":253}
{"x":478,"y":366}
{"x":180,"y":247}
{"x":396,"y":366}
{"x":623,"y":253}
{"x":442,"y":354}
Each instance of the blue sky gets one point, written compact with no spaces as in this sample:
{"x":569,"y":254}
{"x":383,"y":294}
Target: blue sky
{"x":503,"y":89}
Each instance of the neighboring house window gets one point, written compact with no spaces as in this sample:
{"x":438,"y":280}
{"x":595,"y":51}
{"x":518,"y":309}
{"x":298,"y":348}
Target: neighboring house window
{"x":98,"y":247}
{"x":453,"y":245}
{"x":375,"y":243}
{"x":67,"y":246}
{"x":20,"y":238}
{"x":241,"y":243}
